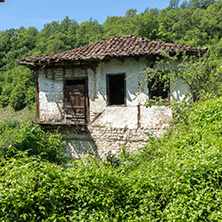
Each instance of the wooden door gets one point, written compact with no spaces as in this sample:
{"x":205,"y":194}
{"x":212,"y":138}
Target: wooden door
{"x":75,"y":101}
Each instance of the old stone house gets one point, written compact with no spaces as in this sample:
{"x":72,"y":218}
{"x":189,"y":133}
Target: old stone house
{"x":87,"y":92}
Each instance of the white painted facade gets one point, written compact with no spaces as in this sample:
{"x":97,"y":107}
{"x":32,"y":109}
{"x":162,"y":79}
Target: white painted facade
{"x":110,"y":127}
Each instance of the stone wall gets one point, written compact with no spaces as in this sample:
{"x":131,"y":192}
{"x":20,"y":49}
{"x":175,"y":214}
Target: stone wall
{"x":101,"y":139}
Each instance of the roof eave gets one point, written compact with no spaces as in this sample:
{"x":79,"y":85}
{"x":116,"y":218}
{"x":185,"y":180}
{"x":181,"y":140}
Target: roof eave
{"x":27,"y":64}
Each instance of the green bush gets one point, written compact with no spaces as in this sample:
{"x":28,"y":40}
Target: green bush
{"x":34,"y":141}
{"x":186,"y":165}
{"x":30,"y":97}
{"x":17,"y":97}
{"x":8,"y":124}
{"x":175,"y":178}
{"x":5,"y":95}
{"x":17,"y":88}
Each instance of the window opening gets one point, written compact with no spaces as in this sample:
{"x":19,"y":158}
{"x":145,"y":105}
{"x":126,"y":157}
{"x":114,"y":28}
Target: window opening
{"x":116,"y":89}
{"x":158,"y":89}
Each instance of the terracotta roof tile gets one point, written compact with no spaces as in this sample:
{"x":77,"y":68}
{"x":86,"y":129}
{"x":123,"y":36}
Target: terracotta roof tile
{"x":111,"y":47}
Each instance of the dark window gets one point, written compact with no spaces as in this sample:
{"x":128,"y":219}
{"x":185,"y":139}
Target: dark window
{"x":116,"y":89}
{"x":158,"y":89}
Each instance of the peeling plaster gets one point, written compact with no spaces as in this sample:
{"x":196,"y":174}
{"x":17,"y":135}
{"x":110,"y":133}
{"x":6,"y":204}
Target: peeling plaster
{"x":110,"y":127}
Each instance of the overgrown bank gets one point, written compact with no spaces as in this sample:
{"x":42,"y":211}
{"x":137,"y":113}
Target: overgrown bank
{"x":175,"y":178}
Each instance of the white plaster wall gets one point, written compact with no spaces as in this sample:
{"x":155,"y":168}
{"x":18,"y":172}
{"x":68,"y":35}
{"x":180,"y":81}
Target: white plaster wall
{"x":119,"y":117}
{"x":113,"y":116}
{"x":96,"y":92}
{"x":178,"y":90}
{"x":155,"y":117}
{"x":50,"y":95}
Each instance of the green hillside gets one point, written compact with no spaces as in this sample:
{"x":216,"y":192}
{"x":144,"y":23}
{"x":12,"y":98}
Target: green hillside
{"x":24,"y":115}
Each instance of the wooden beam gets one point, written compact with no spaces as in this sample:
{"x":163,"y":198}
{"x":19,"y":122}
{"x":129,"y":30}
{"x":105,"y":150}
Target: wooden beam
{"x":2,"y":0}
{"x":37,"y":95}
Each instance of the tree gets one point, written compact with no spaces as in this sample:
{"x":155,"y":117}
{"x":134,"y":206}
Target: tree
{"x":130,"y":13}
{"x":154,"y":11}
{"x":202,"y":74}
{"x":184,"y":5}
{"x":174,"y":4}
{"x":200,"y":3}
{"x":18,"y":97}
{"x":89,"y":31}
{"x":148,"y":26}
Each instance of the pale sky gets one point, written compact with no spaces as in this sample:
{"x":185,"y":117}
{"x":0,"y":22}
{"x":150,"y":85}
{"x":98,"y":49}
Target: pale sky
{"x":17,"y":13}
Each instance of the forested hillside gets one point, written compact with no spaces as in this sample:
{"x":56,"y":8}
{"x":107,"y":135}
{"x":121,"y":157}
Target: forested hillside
{"x":196,"y":23}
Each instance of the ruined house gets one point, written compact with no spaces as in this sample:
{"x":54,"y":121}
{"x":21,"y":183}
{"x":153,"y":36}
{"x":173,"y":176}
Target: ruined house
{"x":87,"y":92}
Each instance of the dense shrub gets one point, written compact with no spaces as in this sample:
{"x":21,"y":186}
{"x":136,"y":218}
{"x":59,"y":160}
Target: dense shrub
{"x":186,"y":165}
{"x":175,"y":178}
{"x":7,"y":125}
{"x":5,"y":95}
{"x":34,"y":190}
{"x":17,"y":97}
{"x":30,"y":97}
{"x":33,"y":140}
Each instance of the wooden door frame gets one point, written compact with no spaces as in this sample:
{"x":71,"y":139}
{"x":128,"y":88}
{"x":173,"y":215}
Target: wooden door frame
{"x":87,"y":113}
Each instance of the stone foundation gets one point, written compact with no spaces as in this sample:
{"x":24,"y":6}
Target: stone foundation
{"x":101,"y":141}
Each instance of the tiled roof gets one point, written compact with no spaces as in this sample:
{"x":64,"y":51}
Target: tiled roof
{"x":122,"y":46}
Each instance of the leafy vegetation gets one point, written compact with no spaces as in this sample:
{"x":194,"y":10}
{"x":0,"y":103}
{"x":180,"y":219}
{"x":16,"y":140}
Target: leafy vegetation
{"x":202,"y":74}
{"x":196,"y":23}
{"x":15,"y":137}
{"x":175,"y":178}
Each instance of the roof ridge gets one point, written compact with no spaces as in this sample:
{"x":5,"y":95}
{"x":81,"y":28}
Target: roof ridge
{"x":117,"y":46}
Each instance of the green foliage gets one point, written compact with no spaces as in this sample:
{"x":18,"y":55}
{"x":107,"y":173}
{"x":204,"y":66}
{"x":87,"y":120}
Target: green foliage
{"x":5,"y":95}
{"x":33,"y":140}
{"x":202,"y":74}
{"x":174,"y":178}
{"x":17,"y":88}
{"x":185,"y":165}
{"x":17,"y":97}
{"x":30,"y":97}
{"x":7,"y":125}
{"x":159,"y":101}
